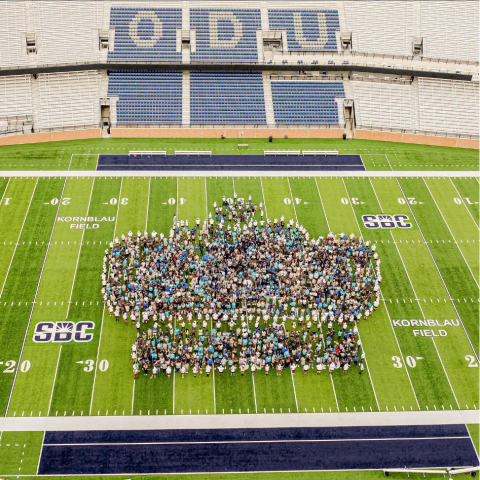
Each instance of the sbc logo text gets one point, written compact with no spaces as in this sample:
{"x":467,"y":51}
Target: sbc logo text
{"x":63,"y":332}
{"x":386,"y":221}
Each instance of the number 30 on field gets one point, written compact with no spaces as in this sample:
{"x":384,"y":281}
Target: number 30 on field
{"x":89,"y":365}
{"x":410,"y":361}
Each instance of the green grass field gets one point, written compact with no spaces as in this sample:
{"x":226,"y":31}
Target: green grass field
{"x":50,"y":272}
{"x":82,"y":154}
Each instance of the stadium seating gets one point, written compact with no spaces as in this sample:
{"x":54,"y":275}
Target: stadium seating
{"x":15,"y":104}
{"x":15,"y":96}
{"x":448,"y":106}
{"x":147,"y":97}
{"x":227,"y":98}
{"x":12,"y":30}
{"x":382,"y":26}
{"x":383,"y":105}
{"x":450,"y":29}
{"x":67,"y":100}
{"x":306,"y":102}
{"x":307,"y":29}
{"x":145,"y":34}
{"x":225,"y":35}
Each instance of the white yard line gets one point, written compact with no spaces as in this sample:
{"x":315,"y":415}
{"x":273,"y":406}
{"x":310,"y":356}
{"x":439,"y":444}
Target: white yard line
{"x":206,"y":200}
{"x":1,"y":202}
{"x":133,"y":396}
{"x":473,"y":444}
{"x":54,"y":380}
{"x":146,"y":230}
{"x":416,"y":297}
{"x":328,"y":226}
{"x":235,"y":173}
{"x":390,"y":320}
{"x":264,"y":202}
{"x":296,"y":219}
{"x":19,"y":236}
{"x":174,"y":327}
{"x":294,"y":391}
{"x":323,"y":207}
{"x":79,"y":252}
{"x":148,"y":203}
{"x":40,"y":455}
{"x":451,"y":233}
{"x":103,"y":311}
{"x":266,"y":216}
{"x":211,"y":322}
{"x":363,"y":346}
{"x":438,"y":270}
{"x":254,"y":393}
{"x":464,"y":204}
{"x":252,"y":375}
{"x":35,"y":297}
{"x":443,"y":366}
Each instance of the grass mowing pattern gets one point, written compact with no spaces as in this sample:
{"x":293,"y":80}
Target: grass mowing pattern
{"x":439,"y":379}
{"x":82,"y":154}
{"x":20,"y":452}
{"x":21,"y":283}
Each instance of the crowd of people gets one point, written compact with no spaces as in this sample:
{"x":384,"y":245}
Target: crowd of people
{"x":240,"y":293}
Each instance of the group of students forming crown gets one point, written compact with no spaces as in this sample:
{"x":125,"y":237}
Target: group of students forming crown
{"x":241,"y":293}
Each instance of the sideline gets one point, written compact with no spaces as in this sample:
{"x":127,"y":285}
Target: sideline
{"x":243,"y":173}
{"x":281,"y":420}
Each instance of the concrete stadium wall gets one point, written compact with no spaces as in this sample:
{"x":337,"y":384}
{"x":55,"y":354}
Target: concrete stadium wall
{"x":49,"y":137}
{"x":226,"y":132}
{"x":239,"y":133}
{"x":418,"y":139}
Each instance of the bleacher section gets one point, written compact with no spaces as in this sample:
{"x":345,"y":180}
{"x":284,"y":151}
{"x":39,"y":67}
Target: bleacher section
{"x":306,"y":102}
{"x":450,"y":29}
{"x":307,"y":29}
{"x":147,"y":98}
{"x":145,"y":34}
{"x":218,"y":98}
{"x":225,"y":35}
{"x":67,"y":101}
{"x":66,"y":31}
{"x":12,"y":34}
{"x":383,"y":105}
{"x":15,"y":104}
{"x":385,"y":26}
{"x":448,"y":106}
{"x":15,"y":96}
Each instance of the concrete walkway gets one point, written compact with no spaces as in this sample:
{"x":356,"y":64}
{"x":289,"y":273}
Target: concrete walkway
{"x":154,"y":422}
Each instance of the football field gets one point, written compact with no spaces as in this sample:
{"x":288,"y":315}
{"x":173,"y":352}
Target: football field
{"x":420,"y":343}
{"x":63,"y":354}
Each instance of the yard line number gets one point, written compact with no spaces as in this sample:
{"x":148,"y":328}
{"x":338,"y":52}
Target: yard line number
{"x":10,"y":364}
{"x":472,"y":362}
{"x":90,"y":364}
{"x":410,"y":361}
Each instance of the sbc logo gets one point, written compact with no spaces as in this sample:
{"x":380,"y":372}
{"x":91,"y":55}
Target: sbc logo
{"x":386,"y":221}
{"x":63,"y":332}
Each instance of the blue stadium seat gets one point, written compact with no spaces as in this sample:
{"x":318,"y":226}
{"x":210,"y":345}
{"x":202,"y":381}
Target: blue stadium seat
{"x":306,"y":102}
{"x":312,"y":30}
{"x":147,"y":97}
{"x":227,"y":98}
{"x":225,"y":35}
{"x":145,"y":34}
